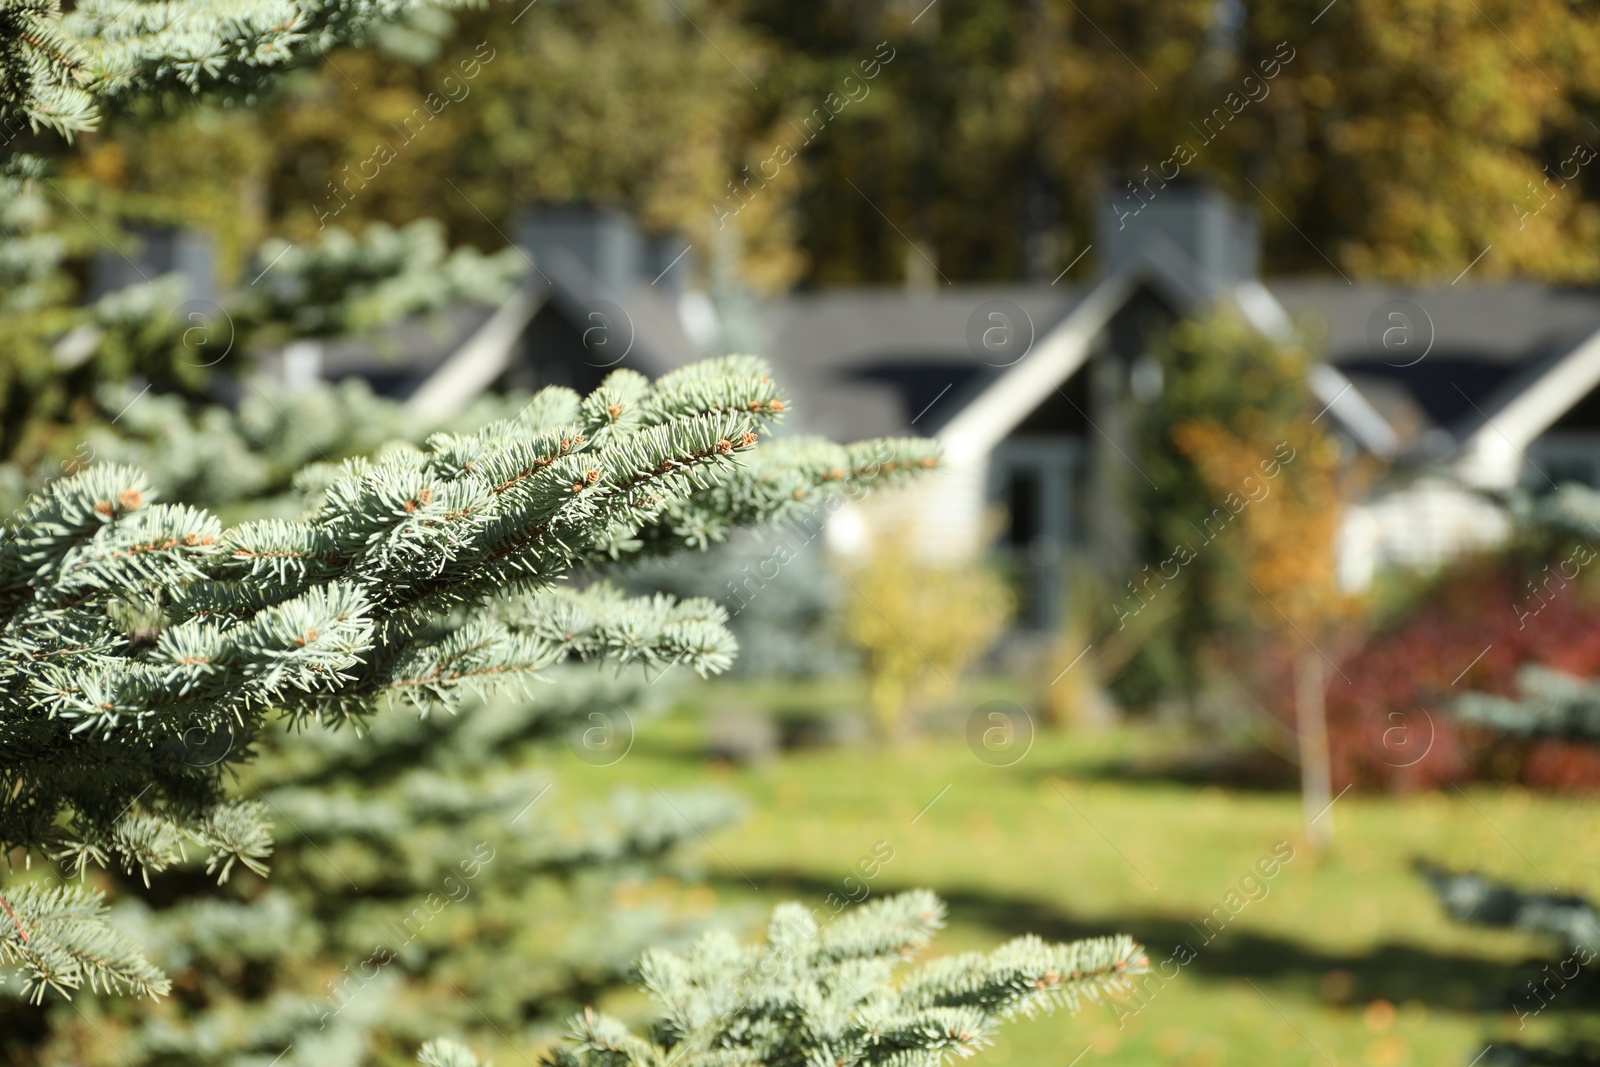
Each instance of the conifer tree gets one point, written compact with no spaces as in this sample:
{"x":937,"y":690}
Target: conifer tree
{"x":518,"y":940}
{"x":818,"y":993}
{"x":1549,"y":703}
{"x":366,"y":826}
{"x":57,"y":354}
{"x":429,"y":876}
{"x":60,"y":74}
{"x":140,"y":634}
{"x":1473,"y":898}
{"x":238,"y":461}
{"x":61,"y":70}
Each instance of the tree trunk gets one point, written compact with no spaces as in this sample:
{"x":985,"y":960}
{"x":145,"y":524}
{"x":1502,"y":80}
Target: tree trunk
{"x":1312,"y":727}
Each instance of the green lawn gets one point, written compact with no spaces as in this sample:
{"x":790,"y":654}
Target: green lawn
{"x":1344,"y":959}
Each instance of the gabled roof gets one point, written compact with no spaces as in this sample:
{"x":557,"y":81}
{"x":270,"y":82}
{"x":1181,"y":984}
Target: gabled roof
{"x":437,"y":363}
{"x":1498,"y":362}
{"x":1502,"y":361}
{"x":879,"y":361}
{"x":1475,"y":350}
{"x":394,"y":360}
{"x":888,"y":361}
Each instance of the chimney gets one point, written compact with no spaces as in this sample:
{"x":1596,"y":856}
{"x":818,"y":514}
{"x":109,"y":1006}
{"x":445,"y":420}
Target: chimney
{"x":1190,"y":234}
{"x":603,"y":242}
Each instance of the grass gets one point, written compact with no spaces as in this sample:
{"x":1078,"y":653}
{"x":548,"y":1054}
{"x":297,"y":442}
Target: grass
{"x":1340,"y":959}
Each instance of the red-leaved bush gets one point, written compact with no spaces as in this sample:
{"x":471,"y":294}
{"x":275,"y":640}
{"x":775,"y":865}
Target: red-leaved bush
{"x":1389,"y":719}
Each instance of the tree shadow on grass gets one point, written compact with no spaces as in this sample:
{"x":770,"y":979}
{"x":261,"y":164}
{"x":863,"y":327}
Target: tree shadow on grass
{"x":1251,"y":770}
{"x":1453,"y":982}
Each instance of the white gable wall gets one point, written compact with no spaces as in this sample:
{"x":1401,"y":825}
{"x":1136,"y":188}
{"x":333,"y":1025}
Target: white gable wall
{"x":1495,"y":456}
{"x":948,"y":507}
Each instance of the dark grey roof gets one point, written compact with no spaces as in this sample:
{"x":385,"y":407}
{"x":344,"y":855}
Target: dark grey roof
{"x":397,"y":358}
{"x":1503,"y":324}
{"x":868,"y":361}
{"x":1473,"y":347}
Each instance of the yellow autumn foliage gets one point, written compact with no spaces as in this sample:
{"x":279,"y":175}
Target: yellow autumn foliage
{"x":920,"y":624}
{"x":1285,"y":541}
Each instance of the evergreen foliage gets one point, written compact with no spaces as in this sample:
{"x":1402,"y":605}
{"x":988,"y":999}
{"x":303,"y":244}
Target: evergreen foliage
{"x":239,"y":462}
{"x":620,"y":102}
{"x":1549,"y":703}
{"x":56,"y":356}
{"x":147,"y":643}
{"x":61,"y":69}
{"x":58,"y":936}
{"x":348,"y":283}
{"x":1472,"y":898}
{"x":779,"y":591}
{"x":241,"y":459}
{"x":153,"y":652}
{"x":428,"y":878}
{"x":369,"y":827}
{"x":446,"y":1053}
{"x":58,"y":72}
{"x":830,"y":994}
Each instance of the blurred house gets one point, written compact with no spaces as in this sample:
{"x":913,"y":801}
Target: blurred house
{"x":1464,"y":386}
